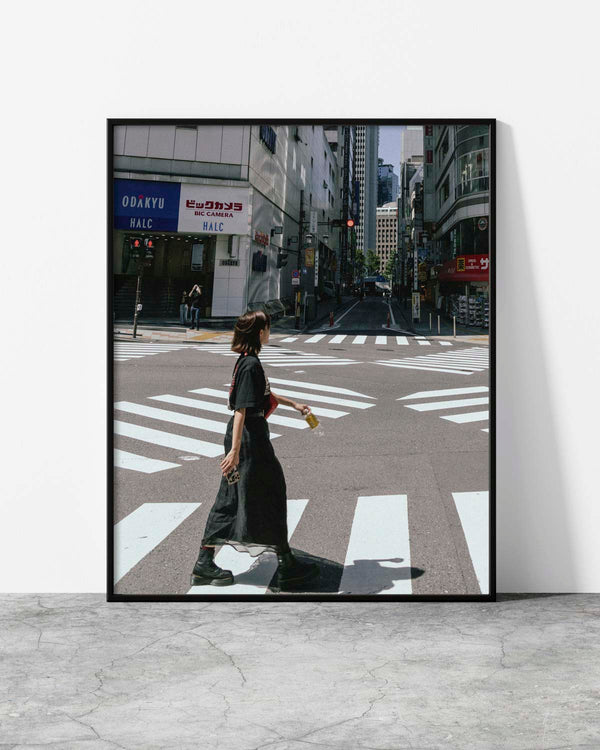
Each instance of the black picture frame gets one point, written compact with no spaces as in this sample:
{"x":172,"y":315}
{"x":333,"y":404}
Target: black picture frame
{"x":111,"y":596}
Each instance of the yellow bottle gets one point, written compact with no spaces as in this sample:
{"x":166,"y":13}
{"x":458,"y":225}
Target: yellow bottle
{"x":312,"y":420}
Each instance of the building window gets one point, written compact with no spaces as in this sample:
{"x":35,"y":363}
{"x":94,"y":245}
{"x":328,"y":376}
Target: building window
{"x":268,"y":137}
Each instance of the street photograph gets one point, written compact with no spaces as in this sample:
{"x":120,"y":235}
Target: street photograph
{"x":301,"y":382}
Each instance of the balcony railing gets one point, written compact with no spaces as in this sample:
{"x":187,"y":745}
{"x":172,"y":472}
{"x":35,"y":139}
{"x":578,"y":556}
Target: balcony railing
{"x":476,"y":185}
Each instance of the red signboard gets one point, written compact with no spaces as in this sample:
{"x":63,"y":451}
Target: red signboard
{"x":466,"y":268}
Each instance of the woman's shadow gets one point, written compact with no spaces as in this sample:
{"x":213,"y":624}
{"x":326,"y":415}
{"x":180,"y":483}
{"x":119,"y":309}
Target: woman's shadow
{"x":361,"y":578}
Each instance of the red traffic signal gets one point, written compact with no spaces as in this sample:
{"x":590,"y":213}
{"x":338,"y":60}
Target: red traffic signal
{"x":135,"y":243}
{"x":350,"y":223}
{"x":149,"y":243}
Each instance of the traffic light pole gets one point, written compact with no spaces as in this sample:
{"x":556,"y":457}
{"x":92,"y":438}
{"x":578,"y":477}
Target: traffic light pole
{"x":138,"y":295}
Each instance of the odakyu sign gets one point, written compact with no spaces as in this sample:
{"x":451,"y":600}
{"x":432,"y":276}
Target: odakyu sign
{"x":207,"y":209}
{"x":142,"y":205}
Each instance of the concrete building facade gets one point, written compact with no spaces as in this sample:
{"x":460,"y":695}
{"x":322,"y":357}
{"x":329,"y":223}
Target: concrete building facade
{"x":213,"y":197}
{"x":387,"y":231}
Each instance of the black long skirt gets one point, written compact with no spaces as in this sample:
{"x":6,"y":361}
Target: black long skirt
{"x":251,"y":515}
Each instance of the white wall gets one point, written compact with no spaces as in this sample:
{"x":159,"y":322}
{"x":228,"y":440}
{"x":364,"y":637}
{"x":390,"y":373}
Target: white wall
{"x":530,"y":65}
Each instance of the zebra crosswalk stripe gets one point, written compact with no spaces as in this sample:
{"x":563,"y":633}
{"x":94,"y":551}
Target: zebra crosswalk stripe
{"x":126,"y":460}
{"x":194,"y":403}
{"x":139,"y":532}
{"x":250,"y":579}
{"x":453,"y":403}
{"x":299,"y":394}
{"x":320,"y":387}
{"x":435,"y":405}
{"x":378,"y":548}
{"x":168,"y":439}
{"x":378,"y":553}
{"x":473,"y":511}
{"x":175,"y":417}
{"x":445,"y":392}
{"x":474,"y":416}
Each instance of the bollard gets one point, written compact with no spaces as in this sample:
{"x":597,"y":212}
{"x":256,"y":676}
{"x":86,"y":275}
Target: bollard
{"x":430,"y":326}
{"x":454,"y":324}
{"x":438,"y":325}
{"x":388,"y":319}
{"x":331,"y":319}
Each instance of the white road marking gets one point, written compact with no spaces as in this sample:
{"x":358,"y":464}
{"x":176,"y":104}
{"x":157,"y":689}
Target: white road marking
{"x":359,"y":339}
{"x":168,"y":439}
{"x":448,"y":404}
{"x":485,"y":429}
{"x":445,"y":392}
{"x":475,"y":416}
{"x":430,"y":369}
{"x":141,"y":531}
{"x":381,"y":339}
{"x":289,"y":339}
{"x":125,"y":460}
{"x":343,"y":315}
{"x":300,"y":394}
{"x":445,"y":343}
{"x":424,"y":343}
{"x":320,"y":387}
{"x":320,"y":411}
{"x":379,"y":538}
{"x":174,"y":417}
{"x":314,"y":339}
{"x":299,"y":424}
{"x":473,"y":511}
{"x":338,"y":339}
{"x":402,"y":340}
{"x":240,"y":563}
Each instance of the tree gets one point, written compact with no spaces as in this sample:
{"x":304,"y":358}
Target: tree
{"x":372,"y":263}
{"x":389,"y":269}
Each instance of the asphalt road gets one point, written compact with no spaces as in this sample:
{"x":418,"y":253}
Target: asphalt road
{"x":389,"y":494}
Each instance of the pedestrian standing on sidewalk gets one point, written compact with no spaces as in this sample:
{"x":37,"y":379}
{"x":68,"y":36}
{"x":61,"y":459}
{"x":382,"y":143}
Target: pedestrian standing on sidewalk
{"x":196,"y":300}
{"x":183,"y":309}
{"x":251,"y":514}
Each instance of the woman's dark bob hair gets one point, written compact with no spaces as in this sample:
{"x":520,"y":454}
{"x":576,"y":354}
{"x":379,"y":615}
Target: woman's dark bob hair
{"x":246,"y":333}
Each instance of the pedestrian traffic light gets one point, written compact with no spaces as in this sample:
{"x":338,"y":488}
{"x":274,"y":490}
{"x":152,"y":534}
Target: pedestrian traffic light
{"x":135,"y":244}
{"x":149,"y":243}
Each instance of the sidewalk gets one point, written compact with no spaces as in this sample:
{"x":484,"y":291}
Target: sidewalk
{"x":218,"y":329}
{"x":446,"y":327}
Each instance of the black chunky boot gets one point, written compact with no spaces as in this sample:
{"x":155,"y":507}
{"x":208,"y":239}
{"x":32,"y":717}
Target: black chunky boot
{"x":207,"y":573}
{"x":291,"y":572}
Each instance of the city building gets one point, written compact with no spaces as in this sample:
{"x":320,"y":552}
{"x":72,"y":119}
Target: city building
{"x":366,"y":162}
{"x":456,"y":182}
{"x":387,"y":230}
{"x":387,"y":183}
{"x":222,"y":204}
{"x":342,"y":140}
{"x":412,"y":144}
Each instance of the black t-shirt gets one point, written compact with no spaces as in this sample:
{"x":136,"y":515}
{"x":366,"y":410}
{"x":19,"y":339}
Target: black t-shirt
{"x":249,"y":386}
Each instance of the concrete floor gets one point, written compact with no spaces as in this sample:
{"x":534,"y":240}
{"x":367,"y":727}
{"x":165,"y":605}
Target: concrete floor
{"x":80,"y":673}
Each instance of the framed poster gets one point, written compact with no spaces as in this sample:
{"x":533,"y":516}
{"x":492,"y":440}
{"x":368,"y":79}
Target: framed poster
{"x":280,"y":432}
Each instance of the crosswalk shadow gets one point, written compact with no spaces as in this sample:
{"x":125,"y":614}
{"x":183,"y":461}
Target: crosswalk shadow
{"x":362,"y":577}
